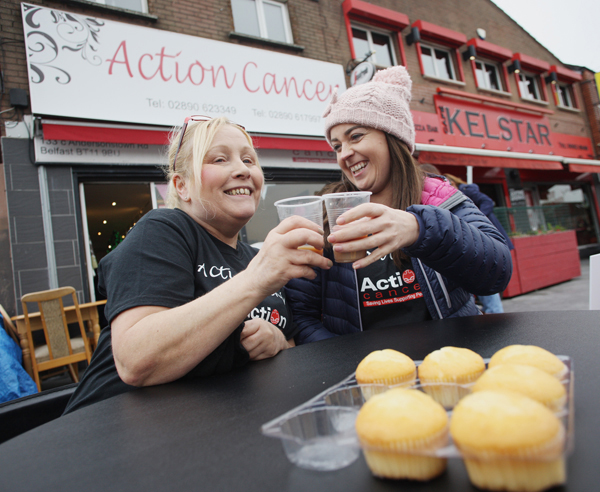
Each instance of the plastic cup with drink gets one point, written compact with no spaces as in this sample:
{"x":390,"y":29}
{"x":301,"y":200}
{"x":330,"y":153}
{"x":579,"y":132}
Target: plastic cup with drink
{"x":309,"y":207}
{"x":338,"y":203}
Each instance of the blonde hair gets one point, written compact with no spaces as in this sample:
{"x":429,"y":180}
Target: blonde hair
{"x":197,"y":140}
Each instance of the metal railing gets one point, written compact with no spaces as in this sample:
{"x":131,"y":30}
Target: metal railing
{"x":536,"y":220}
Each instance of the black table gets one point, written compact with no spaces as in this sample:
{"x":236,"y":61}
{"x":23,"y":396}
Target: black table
{"x":205,"y":434}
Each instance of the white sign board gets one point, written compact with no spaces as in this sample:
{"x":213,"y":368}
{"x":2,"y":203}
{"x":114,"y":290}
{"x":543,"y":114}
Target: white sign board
{"x":298,"y":159}
{"x":86,"y":67}
{"x":68,"y":152}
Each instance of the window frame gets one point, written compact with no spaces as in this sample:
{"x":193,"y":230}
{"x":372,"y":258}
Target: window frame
{"x":143,"y":11}
{"x":570,"y":91}
{"x":490,"y":54}
{"x":496,"y":68}
{"x":374,"y":17}
{"x":537,"y":83}
{"x":262,"y":23}
{"x":369,"y":30}
{"x":451,"y":57}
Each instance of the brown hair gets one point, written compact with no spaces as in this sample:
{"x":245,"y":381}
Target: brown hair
{"x":430,"y":168}
{"x":455,"y":180}
{"x":407,"y":180}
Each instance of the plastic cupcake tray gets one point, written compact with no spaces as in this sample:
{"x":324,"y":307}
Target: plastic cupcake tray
{"x":320,"y":433}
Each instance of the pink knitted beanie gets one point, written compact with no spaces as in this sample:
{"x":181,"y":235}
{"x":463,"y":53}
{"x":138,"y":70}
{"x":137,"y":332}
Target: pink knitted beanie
{"x":382,"y":103}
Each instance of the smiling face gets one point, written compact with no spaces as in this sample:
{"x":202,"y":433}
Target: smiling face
{"x":364,"y":157}
{"x":231,"y":184}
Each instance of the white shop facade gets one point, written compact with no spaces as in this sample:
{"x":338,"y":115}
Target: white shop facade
{"x":105,"y":97}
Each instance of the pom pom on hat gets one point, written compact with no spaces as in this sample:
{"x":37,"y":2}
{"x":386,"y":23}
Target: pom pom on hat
{"x":383,"y":103}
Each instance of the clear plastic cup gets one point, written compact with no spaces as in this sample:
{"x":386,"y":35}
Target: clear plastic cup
{"x":338,"y":203}
{"x":321,"y":439}
{"x":309,"y":207}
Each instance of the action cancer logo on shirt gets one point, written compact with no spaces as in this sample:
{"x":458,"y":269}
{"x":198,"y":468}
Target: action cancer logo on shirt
{"x":394,"y":289}
{"x":408,"y":276}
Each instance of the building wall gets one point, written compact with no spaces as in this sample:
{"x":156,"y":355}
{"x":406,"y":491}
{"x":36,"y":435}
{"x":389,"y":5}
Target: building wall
{"x":30,"y":271}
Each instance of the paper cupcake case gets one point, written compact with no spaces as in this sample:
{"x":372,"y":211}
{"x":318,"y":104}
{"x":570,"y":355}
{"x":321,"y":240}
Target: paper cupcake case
{"x":320,"y":434}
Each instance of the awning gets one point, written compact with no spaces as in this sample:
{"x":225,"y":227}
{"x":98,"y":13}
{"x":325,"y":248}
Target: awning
{"x":582,"y":165}
{"x":99,"y":132}
{"x":463,"y":156}
{"x":130,"y":134}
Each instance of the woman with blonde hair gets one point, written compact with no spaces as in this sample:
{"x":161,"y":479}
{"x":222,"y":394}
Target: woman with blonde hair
{"x":186,"y":298}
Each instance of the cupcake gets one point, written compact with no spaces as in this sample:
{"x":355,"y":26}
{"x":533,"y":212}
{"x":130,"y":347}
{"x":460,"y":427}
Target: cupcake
{"x":530,"y":355}
{"x":399,"y":432}
{"x":527,"y":380}
{"x":509,"y":441}
{"x":452,"y":367}
{"x":384,"y":368}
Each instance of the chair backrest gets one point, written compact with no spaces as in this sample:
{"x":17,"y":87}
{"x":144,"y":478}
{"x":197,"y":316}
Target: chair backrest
{"x":10,"y":328}
{"x":56,"y":329}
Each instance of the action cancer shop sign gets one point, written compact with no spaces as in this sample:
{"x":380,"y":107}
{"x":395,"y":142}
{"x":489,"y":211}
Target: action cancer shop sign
{"x":86,"y":67}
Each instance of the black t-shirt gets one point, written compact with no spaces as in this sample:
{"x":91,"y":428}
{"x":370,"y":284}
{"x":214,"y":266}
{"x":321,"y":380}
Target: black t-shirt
{"x":389,"y":296}
{"x":168,"y":260}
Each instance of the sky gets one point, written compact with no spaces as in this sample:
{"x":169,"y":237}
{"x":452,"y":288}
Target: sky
{"x":569,"y":29}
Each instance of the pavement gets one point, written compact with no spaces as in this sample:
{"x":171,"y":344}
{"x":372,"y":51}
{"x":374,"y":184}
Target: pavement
{"x":572,"y":295}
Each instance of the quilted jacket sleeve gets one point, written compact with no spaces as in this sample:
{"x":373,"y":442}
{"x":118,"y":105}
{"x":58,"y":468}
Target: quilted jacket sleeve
{"x":305,"y":298}
{"x":464,"y":246}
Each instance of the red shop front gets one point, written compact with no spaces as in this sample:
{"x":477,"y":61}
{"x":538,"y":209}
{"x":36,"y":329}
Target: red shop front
{"x":511,"y":152}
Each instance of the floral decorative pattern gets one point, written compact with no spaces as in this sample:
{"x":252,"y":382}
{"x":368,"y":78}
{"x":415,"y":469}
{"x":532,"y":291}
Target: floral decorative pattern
{"x":72,"y":32}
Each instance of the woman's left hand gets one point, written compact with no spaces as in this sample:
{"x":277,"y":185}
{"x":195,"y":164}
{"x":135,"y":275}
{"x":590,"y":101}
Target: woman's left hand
{"x":384,"y":228}
{"x":261,"y":339}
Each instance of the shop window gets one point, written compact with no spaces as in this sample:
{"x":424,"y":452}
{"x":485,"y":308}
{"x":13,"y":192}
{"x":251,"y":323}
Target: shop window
{"x":437,"y":62}
{"x":135,"y":5}
{"x":529,"y":86}
{"x":565,"y":96}
{"x":262,"y":18}
{"x":488,"y":76}
{"x":367,"y":40}
{"x":569,"y":207}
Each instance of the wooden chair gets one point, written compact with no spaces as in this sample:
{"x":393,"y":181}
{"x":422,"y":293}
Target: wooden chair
{"x":60,"y":349}
{"x":10,"y":328}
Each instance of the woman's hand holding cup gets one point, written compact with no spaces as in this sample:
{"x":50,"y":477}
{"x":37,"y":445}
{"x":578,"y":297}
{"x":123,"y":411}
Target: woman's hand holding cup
{"x":373,"y":227}
{"x":288,"y":252}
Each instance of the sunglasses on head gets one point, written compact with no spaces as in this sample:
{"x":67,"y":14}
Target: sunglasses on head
{"x":184,"y":128}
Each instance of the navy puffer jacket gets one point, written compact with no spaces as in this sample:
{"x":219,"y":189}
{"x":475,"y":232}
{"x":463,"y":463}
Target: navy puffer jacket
{"x":458,"y":253}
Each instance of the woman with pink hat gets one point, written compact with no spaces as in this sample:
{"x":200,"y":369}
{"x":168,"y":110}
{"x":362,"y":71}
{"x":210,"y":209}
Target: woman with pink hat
{"x":429,"y":246}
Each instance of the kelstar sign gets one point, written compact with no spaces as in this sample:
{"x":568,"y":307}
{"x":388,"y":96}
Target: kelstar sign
{"x":467,"y":124}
